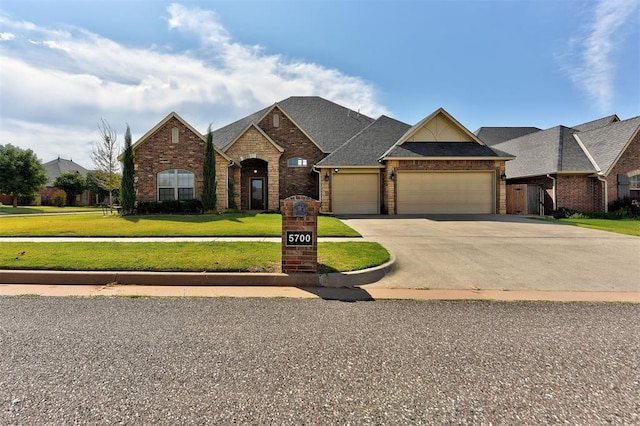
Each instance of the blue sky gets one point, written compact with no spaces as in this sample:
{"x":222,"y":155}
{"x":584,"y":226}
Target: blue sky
{"x":65,"y":64}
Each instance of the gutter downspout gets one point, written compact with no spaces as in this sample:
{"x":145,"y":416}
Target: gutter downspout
{"x":555,"y":192}
{"x":606,"y":191}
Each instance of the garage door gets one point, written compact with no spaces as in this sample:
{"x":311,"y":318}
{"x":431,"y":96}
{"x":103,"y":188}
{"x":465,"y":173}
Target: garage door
{"x":446,"y":192}
{"x":356,"y":193}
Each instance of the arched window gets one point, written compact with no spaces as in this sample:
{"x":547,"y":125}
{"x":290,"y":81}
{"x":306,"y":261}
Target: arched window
{"x":297,"y":162}
{"x":175,"y":185}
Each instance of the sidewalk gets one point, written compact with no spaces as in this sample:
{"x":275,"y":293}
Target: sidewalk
{"x":343,"y":294}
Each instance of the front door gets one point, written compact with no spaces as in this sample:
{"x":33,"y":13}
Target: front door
{"x":257,"y":194}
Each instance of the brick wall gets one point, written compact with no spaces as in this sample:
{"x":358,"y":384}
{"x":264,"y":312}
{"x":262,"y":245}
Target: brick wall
{"x":293,"y":180}
{"x":629,"y":161}
{"x":296,"y":259}
{"x":389,"y":192}
{"x":579,"y":192}
{"x":159,"y":153}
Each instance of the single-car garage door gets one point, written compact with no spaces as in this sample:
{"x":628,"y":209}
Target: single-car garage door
{"x":356,"y":193}
{"x":445,"y":192}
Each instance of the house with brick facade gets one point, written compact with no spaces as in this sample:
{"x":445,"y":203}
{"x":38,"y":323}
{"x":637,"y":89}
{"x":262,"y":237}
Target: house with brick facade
{"x":310,"y":146}
{"x":56,"y":168}
{"x":584,"y":167}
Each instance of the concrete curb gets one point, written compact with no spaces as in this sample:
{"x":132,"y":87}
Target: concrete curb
{"x":347,"y":279}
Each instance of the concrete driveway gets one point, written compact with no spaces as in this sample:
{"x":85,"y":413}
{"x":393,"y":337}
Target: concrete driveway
{"x":502,"y":252}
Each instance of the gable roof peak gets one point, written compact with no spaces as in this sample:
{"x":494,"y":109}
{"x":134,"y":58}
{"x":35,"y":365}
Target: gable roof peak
{"x":440,"y":112}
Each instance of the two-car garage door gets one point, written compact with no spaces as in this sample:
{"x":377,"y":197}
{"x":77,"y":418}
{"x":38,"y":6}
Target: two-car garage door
{"x":445,"y":192}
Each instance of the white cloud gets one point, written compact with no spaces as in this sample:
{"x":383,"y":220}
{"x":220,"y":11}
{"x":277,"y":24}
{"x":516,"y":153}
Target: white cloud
{"x":57,"y":84}
{"x":6,"y":36}
{"x":592,"y":65}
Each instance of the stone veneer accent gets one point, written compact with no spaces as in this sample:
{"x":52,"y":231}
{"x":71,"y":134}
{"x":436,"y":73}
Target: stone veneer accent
{"x":159,"y":153}
{"x":252,"y":144}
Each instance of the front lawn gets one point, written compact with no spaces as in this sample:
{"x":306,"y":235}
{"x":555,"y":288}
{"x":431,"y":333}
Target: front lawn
{"x":4,"y":209}
{"x":97,"y":225}
{"x":193,"y":257}
{"x":620,"y":226}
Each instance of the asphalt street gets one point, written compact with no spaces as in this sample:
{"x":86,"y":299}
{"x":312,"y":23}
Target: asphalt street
{"x":173,"y":361}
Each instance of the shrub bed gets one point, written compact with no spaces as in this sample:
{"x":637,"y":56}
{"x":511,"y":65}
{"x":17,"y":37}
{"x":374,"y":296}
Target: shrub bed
{"x":170,"y":207}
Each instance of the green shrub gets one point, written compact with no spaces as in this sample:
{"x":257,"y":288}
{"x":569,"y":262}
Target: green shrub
{"x":27,"y":200}
{"x":191,"y":206}
{"x":626,"y":208}
{"x":564,"y":213}
{"x":58,"y":198}
{"x":170,"y":207}
{"x":148,"y":207}
{"x":620,"y":209}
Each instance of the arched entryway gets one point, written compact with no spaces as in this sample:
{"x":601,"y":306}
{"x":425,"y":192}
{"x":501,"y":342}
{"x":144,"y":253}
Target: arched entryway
{"x":255,"y":181}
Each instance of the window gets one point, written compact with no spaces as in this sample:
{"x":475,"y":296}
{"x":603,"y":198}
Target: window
{"x":634,"y":182}
{"x":297,"y":162}
{"x":175,"y":185}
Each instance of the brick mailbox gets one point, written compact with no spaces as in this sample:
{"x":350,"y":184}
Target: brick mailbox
{"x":299,"y":234}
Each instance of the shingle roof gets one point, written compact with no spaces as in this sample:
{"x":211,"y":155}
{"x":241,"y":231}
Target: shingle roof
{"x":600,"y":122}
{"x":495,"y":135}
{"x":59,"y":166}
{"x":327,"y":123}
{"x":366,"y":147}
{"x":606,"y":143}
{"x":227,"y":134}
{"x":441,"y":149}
{"x":547,"y":151}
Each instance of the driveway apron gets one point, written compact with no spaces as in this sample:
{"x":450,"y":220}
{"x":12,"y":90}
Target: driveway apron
{"x":502,"y":252}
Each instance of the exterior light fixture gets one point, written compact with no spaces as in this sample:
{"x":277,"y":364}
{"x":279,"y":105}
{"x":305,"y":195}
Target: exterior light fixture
{"x":336,"y":170}
{"x":392,"y":176}
{"x":503,"y":176}
{"x":326,"y":176}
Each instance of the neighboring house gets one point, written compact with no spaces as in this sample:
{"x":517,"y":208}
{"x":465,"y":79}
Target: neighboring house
{"x":310,"y":146}
{"x":56,"y":168}
{"x":584,"y":167}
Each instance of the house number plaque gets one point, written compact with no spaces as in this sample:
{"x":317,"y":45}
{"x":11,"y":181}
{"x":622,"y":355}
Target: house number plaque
{"x":299,"y":238}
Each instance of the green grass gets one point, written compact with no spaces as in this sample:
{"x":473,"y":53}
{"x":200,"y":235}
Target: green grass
{"x":621,"y":226}
{"x":45,"y":209}
{"x":209,"y":256}
{"x":97,"y":225}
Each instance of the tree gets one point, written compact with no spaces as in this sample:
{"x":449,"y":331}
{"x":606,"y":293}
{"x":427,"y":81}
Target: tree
{"x":72,"y":183}
{"x":21,"y":173}
{"x":127,"y":190}
{"x":209,"y":197}
{"x":93,"y":185}
{"x":105,"y":158}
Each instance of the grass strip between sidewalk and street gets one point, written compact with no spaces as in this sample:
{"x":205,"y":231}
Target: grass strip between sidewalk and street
{"x":187,"y":256}
{"x":222,"y":225}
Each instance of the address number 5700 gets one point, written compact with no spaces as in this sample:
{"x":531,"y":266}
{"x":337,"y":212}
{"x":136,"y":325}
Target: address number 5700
{"x":299,"y":238}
